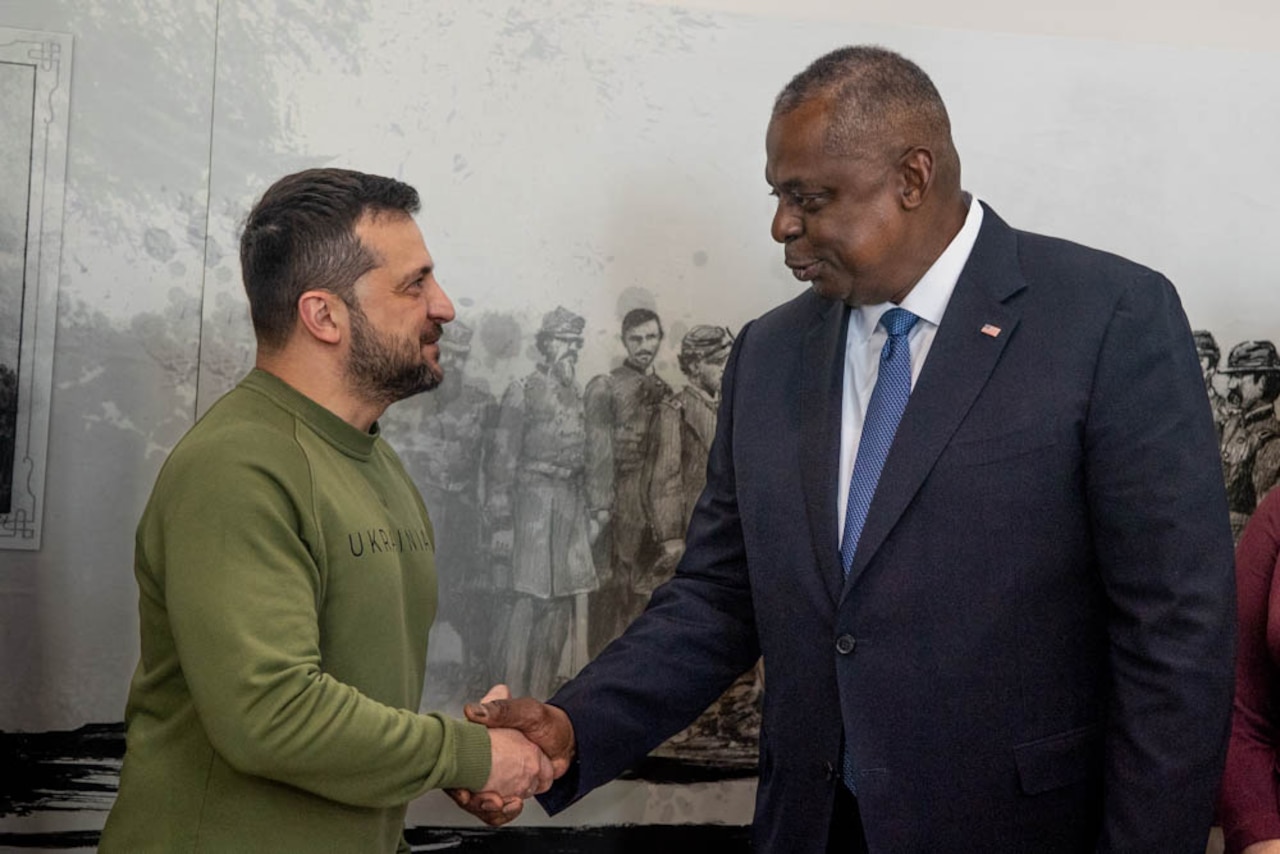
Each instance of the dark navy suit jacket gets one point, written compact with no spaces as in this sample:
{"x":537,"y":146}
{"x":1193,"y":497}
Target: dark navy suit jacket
{"x":1032,"y":652}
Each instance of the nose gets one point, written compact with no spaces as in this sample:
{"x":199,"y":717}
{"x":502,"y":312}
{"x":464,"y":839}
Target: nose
{"x":439,"y":306}
{"x":786,"y":224}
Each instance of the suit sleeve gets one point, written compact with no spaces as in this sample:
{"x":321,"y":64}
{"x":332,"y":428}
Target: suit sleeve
{"x":1158,"y":510}
{"x":1248,"y":808}
{"x":696,"y":636}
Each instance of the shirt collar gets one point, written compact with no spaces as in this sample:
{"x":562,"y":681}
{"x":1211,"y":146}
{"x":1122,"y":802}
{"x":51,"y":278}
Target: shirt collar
{"x":928,"y":299}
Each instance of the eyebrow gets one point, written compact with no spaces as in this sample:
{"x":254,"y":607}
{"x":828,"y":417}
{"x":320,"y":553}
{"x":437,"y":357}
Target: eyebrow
{"x":421,"y":273}
{"x":794,"y":186}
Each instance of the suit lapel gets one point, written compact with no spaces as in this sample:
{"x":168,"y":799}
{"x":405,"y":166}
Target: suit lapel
{"x":820,"y":407}
{"x":959,"y":364}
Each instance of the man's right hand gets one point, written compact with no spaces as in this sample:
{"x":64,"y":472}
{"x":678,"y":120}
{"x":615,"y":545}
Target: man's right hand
{"x":519,"y":768}
{"x":546,"y":726}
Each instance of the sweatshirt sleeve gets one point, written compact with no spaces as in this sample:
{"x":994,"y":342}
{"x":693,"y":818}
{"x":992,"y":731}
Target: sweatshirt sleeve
{"x":242,"y":592}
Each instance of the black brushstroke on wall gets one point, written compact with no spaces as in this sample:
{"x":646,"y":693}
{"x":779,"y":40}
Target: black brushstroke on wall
{"x":77,"y":770}
{"x":620,"y":839}
{"x":623,"y":839}
{"x":65,"y":771}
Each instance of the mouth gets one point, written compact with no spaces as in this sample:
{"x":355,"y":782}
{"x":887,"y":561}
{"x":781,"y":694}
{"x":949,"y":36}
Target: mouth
{"x":805,"y":271}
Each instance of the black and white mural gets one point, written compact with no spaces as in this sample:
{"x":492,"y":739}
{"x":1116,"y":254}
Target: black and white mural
{"x":593,"y":196}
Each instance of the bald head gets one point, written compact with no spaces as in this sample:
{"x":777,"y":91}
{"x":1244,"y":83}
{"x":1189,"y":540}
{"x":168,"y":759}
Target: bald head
{"x":877,"y":102}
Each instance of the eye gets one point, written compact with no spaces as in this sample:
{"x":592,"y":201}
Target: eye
{"x":809,"y":201}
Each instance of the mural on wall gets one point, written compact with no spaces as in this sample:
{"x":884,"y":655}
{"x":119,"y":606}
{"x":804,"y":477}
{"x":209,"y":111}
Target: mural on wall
{"x":559,"y":508}
{"x":35,"y":81}
{"x":595,"y":156}
{"x":1243,"y":395}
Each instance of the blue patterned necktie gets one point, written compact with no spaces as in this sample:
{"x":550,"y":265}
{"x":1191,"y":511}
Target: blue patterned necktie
{"x":884,"y":411}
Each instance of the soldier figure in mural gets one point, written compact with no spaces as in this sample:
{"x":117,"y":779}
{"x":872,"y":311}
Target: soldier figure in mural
{"x":676,"y":472}
{"x":446,"y":461}
{"x":1250,"y":452}
{"x":1207,"y":350}
{"x":621,"y":408}
{"x":684,"y":429}
{"x":538,"y":510}
{"x":8,"y":434}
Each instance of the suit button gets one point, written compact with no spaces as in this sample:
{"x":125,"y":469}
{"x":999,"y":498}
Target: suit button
{"x":845,"y":644}
{"x":828,"y":771}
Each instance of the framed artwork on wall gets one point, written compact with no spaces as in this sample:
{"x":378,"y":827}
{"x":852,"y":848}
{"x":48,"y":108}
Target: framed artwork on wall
{"x":35,"y":80}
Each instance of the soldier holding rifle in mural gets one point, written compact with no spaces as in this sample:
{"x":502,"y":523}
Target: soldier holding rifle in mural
{"x":286,"y":563}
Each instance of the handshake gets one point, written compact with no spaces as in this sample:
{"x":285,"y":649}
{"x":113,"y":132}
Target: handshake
{"x":532,"y":745}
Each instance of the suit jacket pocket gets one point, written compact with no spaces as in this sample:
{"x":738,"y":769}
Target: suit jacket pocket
{"x":1059,"y":760}
{"x":993,"y":449}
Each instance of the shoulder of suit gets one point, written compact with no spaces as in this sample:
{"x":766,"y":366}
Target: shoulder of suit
{"x":1045,"y":253}
{"x":794,"y":317}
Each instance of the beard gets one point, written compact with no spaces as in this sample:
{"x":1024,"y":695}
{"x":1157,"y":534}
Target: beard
{"x":383,"y":369}
{"x":565,"y":369}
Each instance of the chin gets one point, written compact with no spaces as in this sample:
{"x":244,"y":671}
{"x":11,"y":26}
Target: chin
{"x":830,"y":291}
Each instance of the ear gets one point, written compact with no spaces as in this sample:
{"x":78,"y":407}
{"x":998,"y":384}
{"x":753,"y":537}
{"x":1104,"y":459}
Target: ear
{"x":916,"y":168}
{"x":323,"y":315}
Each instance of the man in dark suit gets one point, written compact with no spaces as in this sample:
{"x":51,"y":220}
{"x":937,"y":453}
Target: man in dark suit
{"x":1026,"y":643}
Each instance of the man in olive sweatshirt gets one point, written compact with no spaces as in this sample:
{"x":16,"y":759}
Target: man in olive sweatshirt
{"x":286,"y":563}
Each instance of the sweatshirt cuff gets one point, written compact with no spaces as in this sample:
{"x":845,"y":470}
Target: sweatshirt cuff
{"x":473,"y":760}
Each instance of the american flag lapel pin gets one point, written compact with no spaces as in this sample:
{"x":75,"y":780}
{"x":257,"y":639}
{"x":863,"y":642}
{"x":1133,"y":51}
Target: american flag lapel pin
{"x":989,"y":329}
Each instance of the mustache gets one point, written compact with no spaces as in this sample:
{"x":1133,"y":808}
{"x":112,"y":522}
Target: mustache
{"x":432,"y":335}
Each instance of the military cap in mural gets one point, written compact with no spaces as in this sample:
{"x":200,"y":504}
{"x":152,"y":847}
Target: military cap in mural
{"x":703,"y":341}
{"x":1206,"y":345}
{"x":1253,"y":357}
{"x":456,"y":337}
{"x":562,"y":322}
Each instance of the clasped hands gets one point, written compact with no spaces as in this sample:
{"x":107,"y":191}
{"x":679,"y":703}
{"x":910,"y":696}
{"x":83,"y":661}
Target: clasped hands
{"x":532,"y":745}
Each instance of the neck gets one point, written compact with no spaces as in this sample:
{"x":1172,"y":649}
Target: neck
{"x":937,"y":228}
{"x":319,"y":376}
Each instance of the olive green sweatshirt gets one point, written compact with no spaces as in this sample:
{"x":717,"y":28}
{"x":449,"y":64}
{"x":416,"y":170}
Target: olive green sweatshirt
{"x":286,"y":574}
